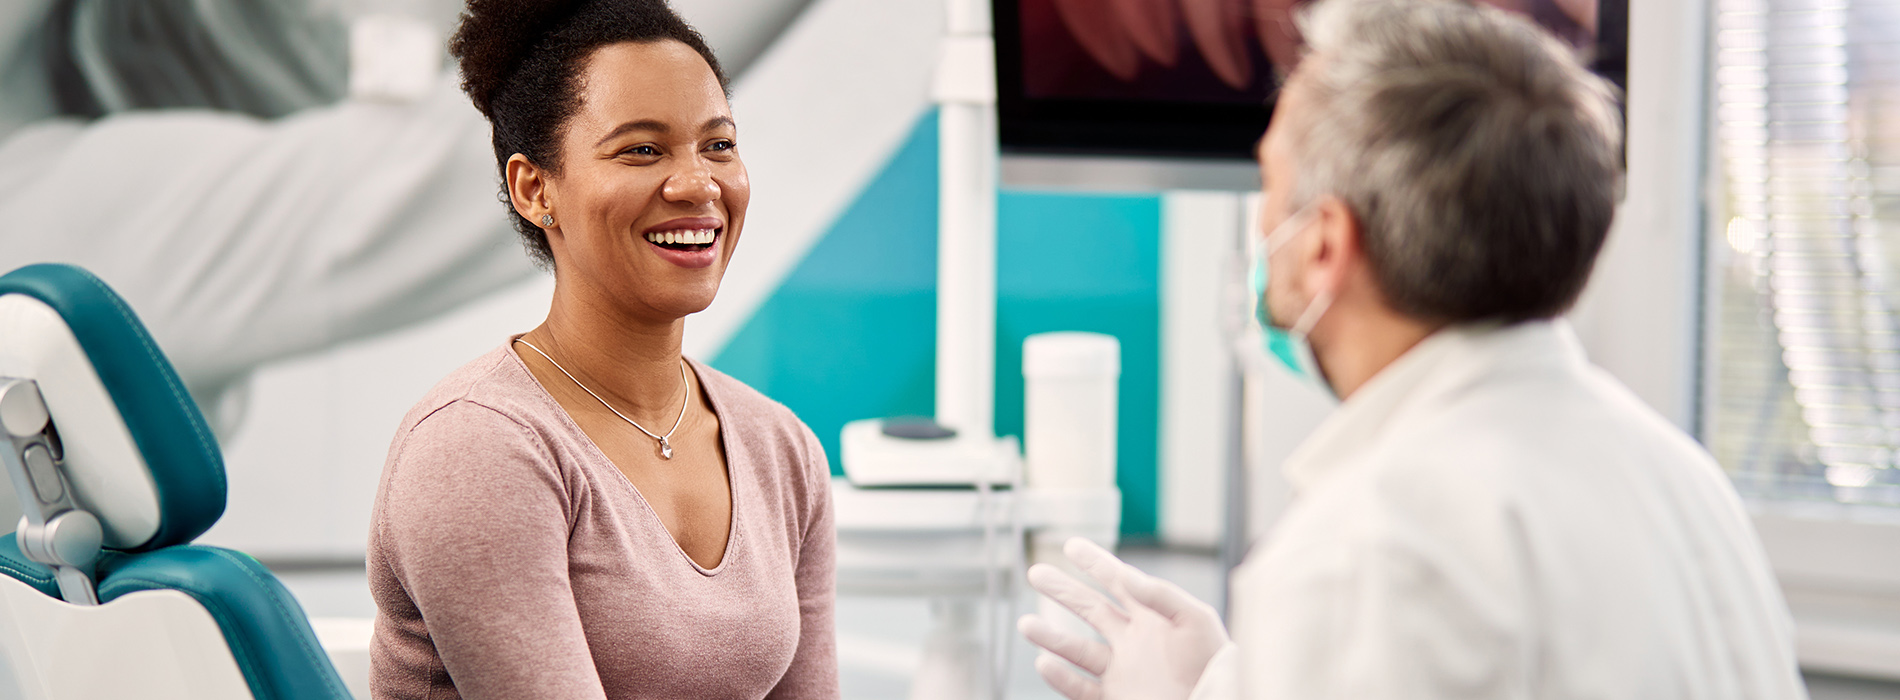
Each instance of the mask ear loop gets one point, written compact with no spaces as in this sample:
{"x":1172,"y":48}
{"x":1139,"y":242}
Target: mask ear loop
{"x":1282,"y":235}
{"x":1310,"y":317}
{"x":1287,"y":229}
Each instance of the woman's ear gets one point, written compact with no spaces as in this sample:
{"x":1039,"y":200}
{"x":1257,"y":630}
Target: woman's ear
{"x":530,"y":191}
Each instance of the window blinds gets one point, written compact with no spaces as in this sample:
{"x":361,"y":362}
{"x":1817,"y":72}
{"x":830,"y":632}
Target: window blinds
{"x":1804,"y":401}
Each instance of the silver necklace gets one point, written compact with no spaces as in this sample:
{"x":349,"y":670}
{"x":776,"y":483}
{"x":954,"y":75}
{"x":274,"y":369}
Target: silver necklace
{"x":666,"y":448}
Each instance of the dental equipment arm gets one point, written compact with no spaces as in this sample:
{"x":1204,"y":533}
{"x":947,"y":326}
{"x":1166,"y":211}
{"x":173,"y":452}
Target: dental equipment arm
{"x":1159,"y":638}
{"x":54,"y":530}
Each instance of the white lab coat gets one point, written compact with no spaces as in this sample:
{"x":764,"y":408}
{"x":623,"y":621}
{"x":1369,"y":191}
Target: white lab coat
{"x":1493,"y":517}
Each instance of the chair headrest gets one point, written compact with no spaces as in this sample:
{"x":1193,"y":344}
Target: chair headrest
{"x":137,"y":451}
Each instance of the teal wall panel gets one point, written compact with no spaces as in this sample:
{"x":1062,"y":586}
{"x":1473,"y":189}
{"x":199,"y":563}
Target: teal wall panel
{"x":1078,"y":262}
{"x":851,"y":333}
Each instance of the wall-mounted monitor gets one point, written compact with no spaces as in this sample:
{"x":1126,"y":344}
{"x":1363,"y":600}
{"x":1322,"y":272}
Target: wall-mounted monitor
{"x":1190,"y":78}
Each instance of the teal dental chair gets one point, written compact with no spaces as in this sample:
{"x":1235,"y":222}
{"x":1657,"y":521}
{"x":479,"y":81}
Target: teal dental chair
{"x":114,"y":474}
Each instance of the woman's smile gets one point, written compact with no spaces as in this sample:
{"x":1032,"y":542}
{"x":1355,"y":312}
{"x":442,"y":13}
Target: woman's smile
{"x":691,"y":243}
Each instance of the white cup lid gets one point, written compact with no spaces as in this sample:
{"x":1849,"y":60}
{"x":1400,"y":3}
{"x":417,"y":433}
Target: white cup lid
{"x":1072,"y":354}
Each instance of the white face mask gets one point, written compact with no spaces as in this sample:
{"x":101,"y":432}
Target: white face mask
{"x":1289,"y":345}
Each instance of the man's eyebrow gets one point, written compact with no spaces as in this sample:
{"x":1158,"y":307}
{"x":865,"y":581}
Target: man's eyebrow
{"x":636,"y":125}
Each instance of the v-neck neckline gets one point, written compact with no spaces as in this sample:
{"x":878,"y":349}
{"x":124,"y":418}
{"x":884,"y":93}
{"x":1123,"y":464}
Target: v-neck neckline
{"x":725,"y":445}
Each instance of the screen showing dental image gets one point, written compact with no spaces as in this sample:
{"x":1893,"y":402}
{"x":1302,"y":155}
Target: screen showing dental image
{"x":1189,"y":77}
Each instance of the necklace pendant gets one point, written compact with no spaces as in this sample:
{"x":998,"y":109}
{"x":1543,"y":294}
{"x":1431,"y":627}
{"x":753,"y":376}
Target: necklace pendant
{"x":666,"y":449}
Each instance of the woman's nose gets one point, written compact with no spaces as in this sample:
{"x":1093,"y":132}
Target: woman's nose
{"x":693,"y":184}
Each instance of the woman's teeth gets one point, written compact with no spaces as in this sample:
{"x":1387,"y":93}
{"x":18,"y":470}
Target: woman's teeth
{"x":682,"y":237}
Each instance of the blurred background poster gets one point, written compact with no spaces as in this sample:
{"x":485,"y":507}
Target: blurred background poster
{"x":255,"y":178}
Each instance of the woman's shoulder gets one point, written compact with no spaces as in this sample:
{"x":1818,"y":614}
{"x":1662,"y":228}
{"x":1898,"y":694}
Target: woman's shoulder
{"x":492,"y":397}
{"x":472,"y":440}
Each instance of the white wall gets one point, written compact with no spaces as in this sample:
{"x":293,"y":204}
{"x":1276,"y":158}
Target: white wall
{"x":1204,"y":251}
{"x":1638,"y":318}
{"x":303,"y":467}
{"x":1200,"y":234}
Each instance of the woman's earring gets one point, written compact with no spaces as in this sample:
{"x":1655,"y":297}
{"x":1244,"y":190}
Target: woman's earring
{"x":547,"y":219}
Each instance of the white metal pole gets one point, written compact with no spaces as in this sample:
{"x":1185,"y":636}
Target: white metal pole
{"x":967,"y":164}
{"x":966,"y":222}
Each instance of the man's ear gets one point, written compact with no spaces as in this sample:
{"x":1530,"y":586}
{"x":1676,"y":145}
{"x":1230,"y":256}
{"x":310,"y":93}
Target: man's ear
{"x":1336,"y":248}
{"x":529,"y":190}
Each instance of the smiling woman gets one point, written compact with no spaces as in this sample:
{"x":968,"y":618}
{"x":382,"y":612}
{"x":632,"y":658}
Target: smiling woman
{"x":582,"y":512}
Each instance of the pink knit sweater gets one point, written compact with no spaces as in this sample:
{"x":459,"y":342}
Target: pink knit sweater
{"x":510,"y":559}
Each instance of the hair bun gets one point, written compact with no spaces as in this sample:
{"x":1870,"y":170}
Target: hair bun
{"x":495,"y":36}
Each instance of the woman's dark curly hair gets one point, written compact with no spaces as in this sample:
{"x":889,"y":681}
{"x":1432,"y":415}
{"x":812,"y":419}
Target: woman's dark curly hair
{"x":521,"y":64}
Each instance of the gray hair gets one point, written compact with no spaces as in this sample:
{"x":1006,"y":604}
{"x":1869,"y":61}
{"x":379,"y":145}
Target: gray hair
{"x":1482,"y":160}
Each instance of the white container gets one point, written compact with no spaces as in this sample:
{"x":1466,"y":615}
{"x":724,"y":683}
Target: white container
{"x":1069,"y":404}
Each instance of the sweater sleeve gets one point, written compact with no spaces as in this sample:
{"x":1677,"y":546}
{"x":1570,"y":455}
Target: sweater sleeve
{"x":814,"y":669}
{"x":475,"y":527}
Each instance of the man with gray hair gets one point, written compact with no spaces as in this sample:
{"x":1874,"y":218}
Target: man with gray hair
{"x":1486,"y":514}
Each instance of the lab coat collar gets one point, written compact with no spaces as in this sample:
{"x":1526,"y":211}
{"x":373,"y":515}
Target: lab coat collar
{"x":1442,"y":365}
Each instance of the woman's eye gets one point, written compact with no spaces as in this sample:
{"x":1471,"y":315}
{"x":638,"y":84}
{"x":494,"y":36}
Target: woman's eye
{"x":641,"y":151}
{"x":722,"y":146}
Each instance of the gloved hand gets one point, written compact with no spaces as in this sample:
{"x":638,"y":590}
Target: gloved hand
{"x":1160,"y":638}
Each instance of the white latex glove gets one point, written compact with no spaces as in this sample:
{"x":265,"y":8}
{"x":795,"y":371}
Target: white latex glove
{"x":1160,"y":638}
